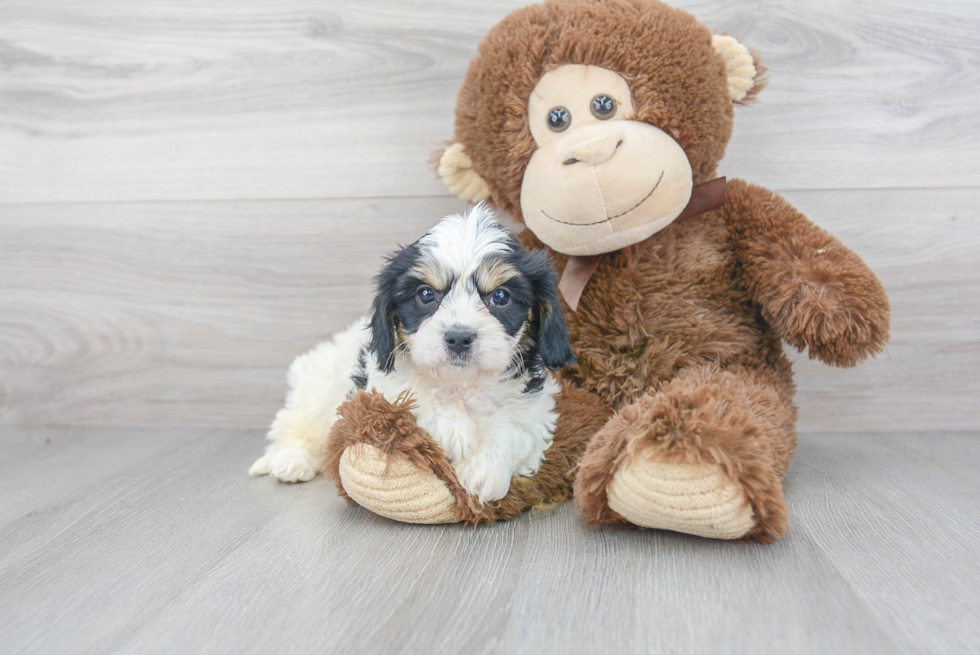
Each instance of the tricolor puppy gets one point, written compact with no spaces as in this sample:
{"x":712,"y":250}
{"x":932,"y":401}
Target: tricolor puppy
{"x":467,"y":321}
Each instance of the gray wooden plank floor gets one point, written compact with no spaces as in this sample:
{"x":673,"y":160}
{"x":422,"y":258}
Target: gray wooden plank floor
{"x":194,"y":192}
{"x":166,"y":546}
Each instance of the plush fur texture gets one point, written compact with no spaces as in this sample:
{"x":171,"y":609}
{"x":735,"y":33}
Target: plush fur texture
{"x":318,"y":382}
{"x":475,"y":366}
{"x":680,"y":334}
{"x":677,"y":80}
{"x":736,"y":418}
{"x":465,"y":323}
{"x":368,"y":417}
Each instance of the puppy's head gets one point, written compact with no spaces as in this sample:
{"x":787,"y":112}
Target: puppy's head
{"x":466,"y":299}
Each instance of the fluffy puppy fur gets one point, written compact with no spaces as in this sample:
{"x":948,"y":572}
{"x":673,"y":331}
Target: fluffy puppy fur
{"x":466,"y":322}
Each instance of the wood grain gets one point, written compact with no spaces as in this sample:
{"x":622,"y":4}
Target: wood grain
{"x":921,"y":244}
{"x":193,"y":193}
{"x":907,"y":502}
{"x":189,"y":313}
{"x":181,"y":551}
{"x":120,"y":101}
{"x":166,"y":313}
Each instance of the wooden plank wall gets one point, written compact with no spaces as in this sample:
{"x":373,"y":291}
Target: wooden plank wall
{"x":192,"y":193}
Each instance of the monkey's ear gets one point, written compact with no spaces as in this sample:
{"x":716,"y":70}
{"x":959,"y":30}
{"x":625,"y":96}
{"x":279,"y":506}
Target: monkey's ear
{"x":456,"y":170}
{"x":743,"y":68}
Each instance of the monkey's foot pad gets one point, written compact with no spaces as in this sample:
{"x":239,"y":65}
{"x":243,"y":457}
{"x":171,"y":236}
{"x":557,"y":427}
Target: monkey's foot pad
{"x":397,"y":489}
{"x":694,"y":499}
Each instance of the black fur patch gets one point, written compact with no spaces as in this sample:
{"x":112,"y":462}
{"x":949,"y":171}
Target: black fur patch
{"x":397,"y":307}
{"x":533,"y":305}
{"x":514,"y":314}
{"x":385,"y":322}
{"x":535,"y":289}
{"x":535,"y":374}
{"x":534,"y":292}
{"x":360,"y":374}
{"x":551,"y":335}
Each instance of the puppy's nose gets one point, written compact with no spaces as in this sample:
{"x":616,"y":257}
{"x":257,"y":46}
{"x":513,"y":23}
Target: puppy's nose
{"x":459,"y":340}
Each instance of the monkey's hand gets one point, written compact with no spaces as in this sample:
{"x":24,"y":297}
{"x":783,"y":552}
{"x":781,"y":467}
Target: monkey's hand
{"x":815,"y":292}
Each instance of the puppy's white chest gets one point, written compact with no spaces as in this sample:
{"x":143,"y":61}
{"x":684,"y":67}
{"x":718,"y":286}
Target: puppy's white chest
{"x":477,"y":403}
{"x":453,"y":425}
{"x":457,"y":417}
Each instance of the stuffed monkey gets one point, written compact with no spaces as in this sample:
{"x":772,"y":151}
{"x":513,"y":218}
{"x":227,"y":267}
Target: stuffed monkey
{"x":599,"y":124}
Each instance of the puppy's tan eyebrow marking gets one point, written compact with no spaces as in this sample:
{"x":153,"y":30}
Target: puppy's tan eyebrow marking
{"x":432,"y":275}
{"x":491,"y":273}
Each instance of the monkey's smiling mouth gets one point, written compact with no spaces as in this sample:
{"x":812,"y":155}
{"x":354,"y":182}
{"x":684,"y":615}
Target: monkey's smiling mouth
{"x":609,"y":218}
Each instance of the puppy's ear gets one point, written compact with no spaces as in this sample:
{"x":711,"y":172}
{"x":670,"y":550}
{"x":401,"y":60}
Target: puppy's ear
{"x":553,"y":340}
{"x":384,"y":327}
{"x":383,"y":333}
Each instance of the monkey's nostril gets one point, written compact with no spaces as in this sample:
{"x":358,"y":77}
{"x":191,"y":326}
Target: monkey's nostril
{"x":570,"y":161}
{"x":619,"y":143}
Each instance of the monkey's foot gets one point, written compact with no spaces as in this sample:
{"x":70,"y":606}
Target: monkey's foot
{"x":395,"y":489}
{"x":695,"y":499}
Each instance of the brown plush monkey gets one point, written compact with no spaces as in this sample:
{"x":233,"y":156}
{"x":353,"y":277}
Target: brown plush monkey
{"x":598,"y":123}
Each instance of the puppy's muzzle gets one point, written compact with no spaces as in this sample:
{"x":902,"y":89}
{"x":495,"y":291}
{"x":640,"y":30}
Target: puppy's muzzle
{"x":459,"y":341}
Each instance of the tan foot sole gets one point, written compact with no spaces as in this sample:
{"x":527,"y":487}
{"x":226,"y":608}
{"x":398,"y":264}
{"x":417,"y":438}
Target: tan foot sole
{"x":405,"y":494}
{"x":691,"y":498}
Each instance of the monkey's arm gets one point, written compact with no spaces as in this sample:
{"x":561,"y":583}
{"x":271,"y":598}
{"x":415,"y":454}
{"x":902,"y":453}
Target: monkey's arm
{"x":815,"y":292}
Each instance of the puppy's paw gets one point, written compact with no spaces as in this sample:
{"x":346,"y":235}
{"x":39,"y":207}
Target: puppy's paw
{"x":260,"y":467}
{"x":485,"y":478}
{"x":292,"y":465}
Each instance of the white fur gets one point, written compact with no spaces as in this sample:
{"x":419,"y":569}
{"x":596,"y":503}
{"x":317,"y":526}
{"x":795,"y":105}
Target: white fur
{"x":489,"y":429}
{"x":492,"y":351}
{"x":477,"y":412}
{"x":319,"y":381}
{"x":457,"y":245}
{"x":461,"y":241}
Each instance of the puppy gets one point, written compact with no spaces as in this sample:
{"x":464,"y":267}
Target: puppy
{"x":465,"y":320}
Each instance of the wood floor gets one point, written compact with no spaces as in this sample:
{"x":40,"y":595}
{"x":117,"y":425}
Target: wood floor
{"x":193,"y":193}
{"x":154,"y":540}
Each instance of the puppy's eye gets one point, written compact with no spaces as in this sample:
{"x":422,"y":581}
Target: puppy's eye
{"x":559,"y":119}
{"x":426,"y":295}
{"x":500,"y":298}
{"x":603,"y":107}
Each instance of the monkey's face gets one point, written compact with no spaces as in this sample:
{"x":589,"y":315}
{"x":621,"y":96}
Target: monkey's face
{"x":598,"y":180}
{"x":634,"y":108}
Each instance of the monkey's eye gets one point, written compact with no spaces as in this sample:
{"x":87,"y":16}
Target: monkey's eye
{"x":426,"y":295}
{"x":603,"y":107}
{"x":500,"y":298}
{"x":559,"y":119}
